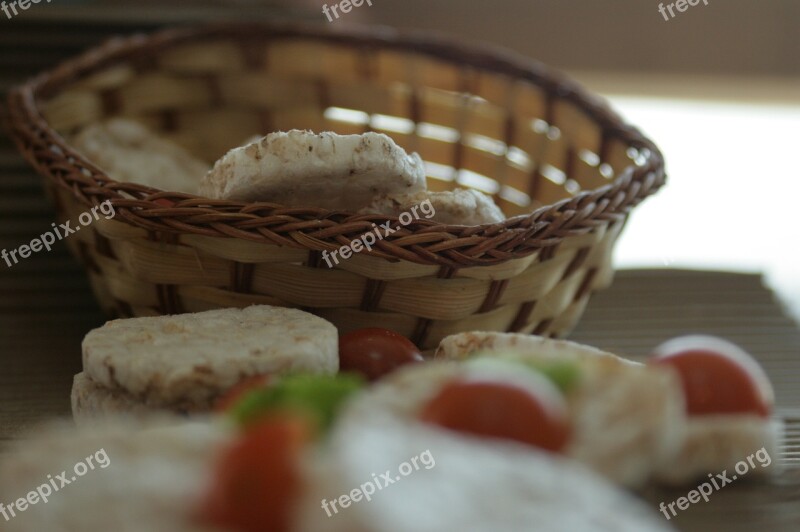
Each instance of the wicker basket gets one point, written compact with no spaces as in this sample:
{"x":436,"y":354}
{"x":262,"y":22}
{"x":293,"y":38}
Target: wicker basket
{"x":565,"y":168}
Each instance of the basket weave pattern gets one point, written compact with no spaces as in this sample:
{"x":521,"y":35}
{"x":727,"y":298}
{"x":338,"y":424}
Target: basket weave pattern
{"x":565,"y":168}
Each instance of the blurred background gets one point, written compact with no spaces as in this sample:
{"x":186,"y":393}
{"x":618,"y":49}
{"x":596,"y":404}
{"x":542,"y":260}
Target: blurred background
{"x":717,"y":87}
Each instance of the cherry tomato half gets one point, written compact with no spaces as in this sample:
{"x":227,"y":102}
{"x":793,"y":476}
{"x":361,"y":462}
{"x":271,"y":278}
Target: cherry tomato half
{"x":257,"y":479}
{"x":232,"y":396}
{"x":499,"y":410}
{"x":718,"y":377}
{"x":376,"y":352}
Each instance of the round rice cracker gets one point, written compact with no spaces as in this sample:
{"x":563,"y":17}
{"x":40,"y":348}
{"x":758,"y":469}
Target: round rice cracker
{"x":135,"y":476}
{"x":90,"y":402}
{"x":627,"y":419}
{"x":401,"y":476}
{"x":185,"y":362}
{"x":130,"y":152}
{"x":719,"y":443}
{"x":452,"y":207}
{"x":693,"y":446}
{"x":302,"y":169}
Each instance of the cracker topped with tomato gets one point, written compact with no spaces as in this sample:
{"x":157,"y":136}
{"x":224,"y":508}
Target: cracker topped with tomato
{"x":618,"y":417}
{"x":301,"y":464}
{"x":684,"y":415}
{"x":386,"y":475}
{"x":700,"y":406}
{"x":729,"y":407}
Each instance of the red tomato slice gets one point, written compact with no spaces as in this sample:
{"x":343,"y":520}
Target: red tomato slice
{"x":718,"y":377}
{"x":257,"y":479}
{"x":376,"y":352}
{"x":500,"y":410}
{"x":232,"y":396}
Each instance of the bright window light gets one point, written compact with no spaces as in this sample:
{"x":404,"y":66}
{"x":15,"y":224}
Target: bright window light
{"x":731,"y":168}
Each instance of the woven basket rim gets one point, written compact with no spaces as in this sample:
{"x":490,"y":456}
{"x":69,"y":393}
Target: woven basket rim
{"x":317,"y":229}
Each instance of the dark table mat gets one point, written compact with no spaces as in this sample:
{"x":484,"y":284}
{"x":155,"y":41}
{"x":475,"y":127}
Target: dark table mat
{"x":646,"y":307}
{"x":46,"y":308}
